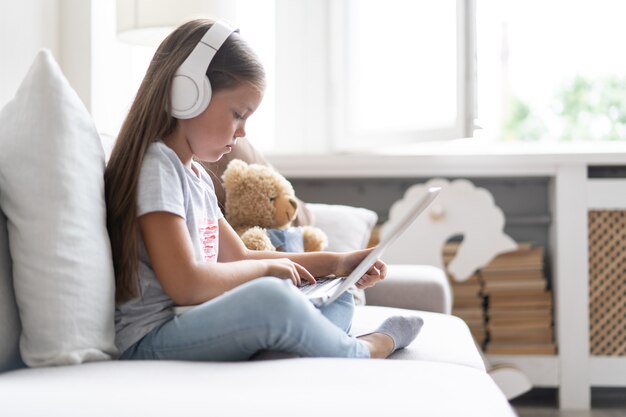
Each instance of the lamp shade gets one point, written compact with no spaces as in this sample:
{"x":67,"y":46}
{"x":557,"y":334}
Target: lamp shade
{"x":148,"y":22}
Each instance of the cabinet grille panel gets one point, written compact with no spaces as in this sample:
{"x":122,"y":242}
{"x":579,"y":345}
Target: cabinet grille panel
{"x":607,"y":282}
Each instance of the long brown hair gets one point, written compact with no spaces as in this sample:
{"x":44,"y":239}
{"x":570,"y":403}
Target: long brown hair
{"x":148,"y":120}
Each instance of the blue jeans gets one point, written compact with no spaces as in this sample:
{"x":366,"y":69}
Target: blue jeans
{"x":263,"y":314}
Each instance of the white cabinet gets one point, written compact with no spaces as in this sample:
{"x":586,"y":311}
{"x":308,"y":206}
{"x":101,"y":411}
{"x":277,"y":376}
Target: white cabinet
{"x":573,"y":370}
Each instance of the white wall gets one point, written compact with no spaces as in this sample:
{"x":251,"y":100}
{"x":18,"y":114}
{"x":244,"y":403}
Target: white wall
{"x":25,"y":27}
{"x":63,"y":26}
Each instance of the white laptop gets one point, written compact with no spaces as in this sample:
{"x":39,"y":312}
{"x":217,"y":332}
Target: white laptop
{"x":325,"y":291}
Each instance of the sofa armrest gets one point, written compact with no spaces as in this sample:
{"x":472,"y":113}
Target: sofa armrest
{"x":415,"y":287}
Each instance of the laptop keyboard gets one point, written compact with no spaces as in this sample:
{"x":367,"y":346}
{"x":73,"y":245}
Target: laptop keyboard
{"x":307,"y":288}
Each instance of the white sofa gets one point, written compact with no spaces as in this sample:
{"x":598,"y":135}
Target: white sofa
{"x":56,"y":304}
{"x":439,"y":374}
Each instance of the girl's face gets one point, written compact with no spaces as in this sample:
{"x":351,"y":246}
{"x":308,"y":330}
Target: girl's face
{"x":215,"y":131}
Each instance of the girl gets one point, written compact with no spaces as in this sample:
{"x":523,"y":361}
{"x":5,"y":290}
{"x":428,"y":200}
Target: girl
{"x":172,"y":246}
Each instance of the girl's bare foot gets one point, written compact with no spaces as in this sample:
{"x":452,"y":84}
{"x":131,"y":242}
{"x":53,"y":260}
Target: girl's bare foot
{"x":379,"y":344}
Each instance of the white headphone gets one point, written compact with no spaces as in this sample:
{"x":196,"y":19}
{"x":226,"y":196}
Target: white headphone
{"x":191,"y":89}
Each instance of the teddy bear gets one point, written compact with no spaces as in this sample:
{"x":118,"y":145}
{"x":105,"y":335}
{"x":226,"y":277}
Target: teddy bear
{"x":261,"y":205}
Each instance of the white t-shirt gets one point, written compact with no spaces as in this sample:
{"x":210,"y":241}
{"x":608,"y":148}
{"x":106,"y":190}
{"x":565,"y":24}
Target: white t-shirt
{"x":165,"y":184}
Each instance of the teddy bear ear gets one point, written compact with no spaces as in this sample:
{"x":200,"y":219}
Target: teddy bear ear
{"x":282,"y":182}
{"x":234,"y":170}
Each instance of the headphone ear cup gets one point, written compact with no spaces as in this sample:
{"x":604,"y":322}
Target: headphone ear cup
{"x":191,"y":90}
{"x":188,"y":99}
{"x":205,"y":96}
{"x":184,"y":95}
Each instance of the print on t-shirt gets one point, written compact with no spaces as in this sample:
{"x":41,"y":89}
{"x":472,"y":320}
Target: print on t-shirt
{"x":209,"y":233}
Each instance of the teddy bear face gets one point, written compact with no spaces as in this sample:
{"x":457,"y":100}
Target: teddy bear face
{"x":257,"y":196}
{"x":285,"y":210}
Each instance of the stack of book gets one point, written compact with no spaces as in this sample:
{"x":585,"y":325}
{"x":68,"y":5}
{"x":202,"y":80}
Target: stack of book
{"x":518,"y":303}
{"x":468,"y":300}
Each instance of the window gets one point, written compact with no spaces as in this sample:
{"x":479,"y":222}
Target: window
{"x":402,"y":76}
{"x":357,"y":73}
{"x":551,"y":71}
{"x":360,"y":74}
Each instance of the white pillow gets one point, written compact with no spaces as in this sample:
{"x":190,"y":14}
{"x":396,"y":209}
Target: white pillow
{"x":52,"y":192}
{"x":348,"y":228}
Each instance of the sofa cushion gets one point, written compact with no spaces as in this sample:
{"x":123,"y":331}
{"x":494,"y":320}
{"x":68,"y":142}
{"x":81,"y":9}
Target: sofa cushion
{"x":357,"y":387}
{"x":348,"y":228}
{"x":458,"y":347}
{"x":10,"y":323}
{"x":52,"y":192}
{"x":414,"y":287}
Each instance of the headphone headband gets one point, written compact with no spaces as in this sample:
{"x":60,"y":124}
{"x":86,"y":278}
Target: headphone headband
{"x":191,"y":89}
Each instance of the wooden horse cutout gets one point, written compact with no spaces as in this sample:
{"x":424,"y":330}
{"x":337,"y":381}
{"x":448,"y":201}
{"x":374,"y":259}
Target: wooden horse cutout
{"x":460,"y":209}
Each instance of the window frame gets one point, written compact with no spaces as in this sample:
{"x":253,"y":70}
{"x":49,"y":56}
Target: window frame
{"x":310,"y":103}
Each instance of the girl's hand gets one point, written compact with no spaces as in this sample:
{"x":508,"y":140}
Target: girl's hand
{"x":376,"y":273}
{"x":287,"y":269}
{"x":349,"y":260}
